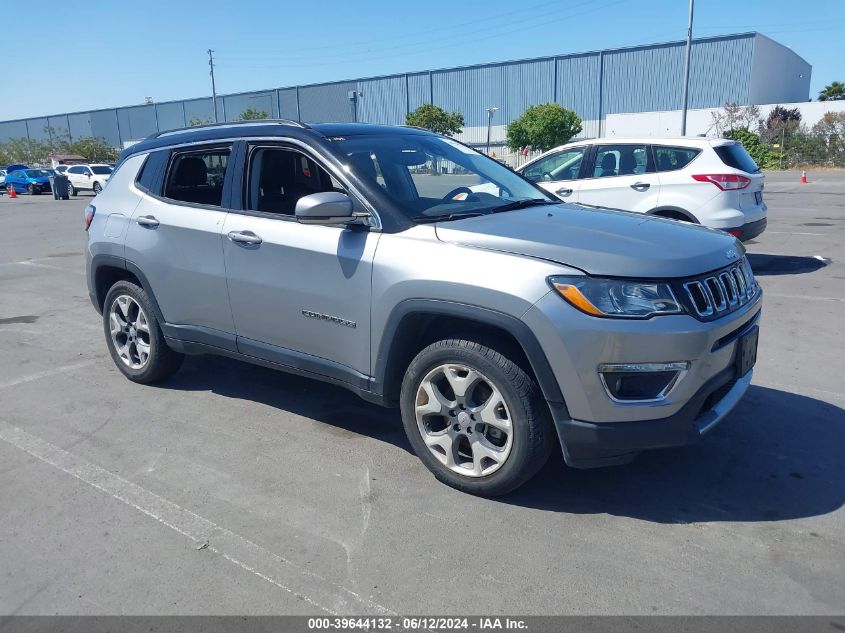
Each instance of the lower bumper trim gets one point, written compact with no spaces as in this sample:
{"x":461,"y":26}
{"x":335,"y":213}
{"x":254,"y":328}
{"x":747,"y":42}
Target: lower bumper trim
{"x":749,"y":231}
{"x":590,"y":444}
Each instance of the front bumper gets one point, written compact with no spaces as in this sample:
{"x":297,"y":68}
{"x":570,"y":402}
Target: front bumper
{"x":594,"y":429}
{"x":590,"y":445}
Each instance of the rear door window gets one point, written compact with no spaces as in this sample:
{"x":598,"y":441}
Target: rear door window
{"x":734,"y":155}
{"x":197,"y":176}
{"x":672,"y":158}
{"x":620,"y":160}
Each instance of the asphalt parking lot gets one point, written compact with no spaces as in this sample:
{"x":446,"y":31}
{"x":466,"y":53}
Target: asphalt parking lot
{"x":234,"y":489}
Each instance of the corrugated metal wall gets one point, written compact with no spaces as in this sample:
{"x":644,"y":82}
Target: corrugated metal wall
{"x":639,"y":79}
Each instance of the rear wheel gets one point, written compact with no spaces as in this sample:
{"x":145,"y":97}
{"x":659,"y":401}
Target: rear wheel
{"x":135,"y":340}
{"x":474,"y":417}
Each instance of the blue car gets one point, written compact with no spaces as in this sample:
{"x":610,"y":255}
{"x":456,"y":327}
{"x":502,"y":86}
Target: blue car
{"x":32,"y":181}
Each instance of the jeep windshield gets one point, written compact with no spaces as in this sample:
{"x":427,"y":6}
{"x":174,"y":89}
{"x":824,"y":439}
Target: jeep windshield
{"x":434,"y":179}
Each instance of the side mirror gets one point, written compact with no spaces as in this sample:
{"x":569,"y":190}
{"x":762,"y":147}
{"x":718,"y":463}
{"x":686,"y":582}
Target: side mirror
{"x":326,"y":207}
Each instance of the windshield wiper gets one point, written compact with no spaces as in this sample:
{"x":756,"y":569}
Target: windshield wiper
{"x":423,"y":219}
{"x":521,"y":204}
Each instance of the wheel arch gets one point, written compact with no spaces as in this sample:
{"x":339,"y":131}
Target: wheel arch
{"x":106,"y":270}
{"x":673,"y":213}
{"x":415,"y":323}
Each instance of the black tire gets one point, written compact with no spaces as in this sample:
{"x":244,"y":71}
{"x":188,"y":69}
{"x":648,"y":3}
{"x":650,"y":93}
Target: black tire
{"x":30,"y":189}
{"x":163,"y":362}
{"x":533,"y":432}
{"x":97,"y":188}
{"x":72,"y":190}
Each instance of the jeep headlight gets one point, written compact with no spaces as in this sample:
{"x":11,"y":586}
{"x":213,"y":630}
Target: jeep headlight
{"x":619,"y":298}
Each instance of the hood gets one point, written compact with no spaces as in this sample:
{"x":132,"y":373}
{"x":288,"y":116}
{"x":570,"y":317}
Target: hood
{"x":39,"y":179}
{"x":599,"y":241}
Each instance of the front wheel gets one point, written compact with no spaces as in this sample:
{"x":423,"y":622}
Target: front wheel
{"x":133,"y":335}
{"x":30,"y":189}
{"x":72,"y":190}
{"x":474,"y":417}
{"x":97,"y":188}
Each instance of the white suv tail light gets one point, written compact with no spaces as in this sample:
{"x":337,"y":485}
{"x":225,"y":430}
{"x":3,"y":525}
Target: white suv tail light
{"x":725,"y":182}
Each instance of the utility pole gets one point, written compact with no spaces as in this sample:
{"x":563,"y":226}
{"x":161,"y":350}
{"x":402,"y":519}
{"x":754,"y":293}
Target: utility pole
{"x":490,"y":112}
{"x":213,"y":87}
{"x":686,"y":71}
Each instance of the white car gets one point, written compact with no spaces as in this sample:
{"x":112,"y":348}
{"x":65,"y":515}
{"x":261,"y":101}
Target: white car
{"x":88,"y":177}
{"x":713,"y":182}
{"x":2,"y":178}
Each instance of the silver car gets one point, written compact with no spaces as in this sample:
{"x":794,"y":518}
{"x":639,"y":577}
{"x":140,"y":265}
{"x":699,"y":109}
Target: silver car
{"x":498,"y":321}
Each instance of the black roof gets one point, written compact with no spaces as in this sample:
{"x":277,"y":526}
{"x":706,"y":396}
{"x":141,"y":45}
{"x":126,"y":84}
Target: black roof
{"x":263,"y":128}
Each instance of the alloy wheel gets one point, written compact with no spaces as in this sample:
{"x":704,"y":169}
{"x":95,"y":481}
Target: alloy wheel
{"x":464,"y":420}
{"x":130,"y":331}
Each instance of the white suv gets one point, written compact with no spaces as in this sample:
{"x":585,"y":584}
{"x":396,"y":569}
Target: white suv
{"x":713,"y":182}
{"x":93,"y":177}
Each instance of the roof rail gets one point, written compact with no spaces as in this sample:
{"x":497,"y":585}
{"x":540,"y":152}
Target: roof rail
{"x":233,"y":124}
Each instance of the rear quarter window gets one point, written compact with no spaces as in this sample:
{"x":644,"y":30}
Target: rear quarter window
{"x":672,"y":158}
{"x":149,"y":177}
{"x":734,"y":155}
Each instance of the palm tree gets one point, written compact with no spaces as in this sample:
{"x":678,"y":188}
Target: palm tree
{"x":834,"y":92}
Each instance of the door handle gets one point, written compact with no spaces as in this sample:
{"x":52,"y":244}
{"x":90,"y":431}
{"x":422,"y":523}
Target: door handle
{"x":244,"y":237}
{"x":147,"y":220}
{"x":563,"y":191}
{"x":640,"y":186}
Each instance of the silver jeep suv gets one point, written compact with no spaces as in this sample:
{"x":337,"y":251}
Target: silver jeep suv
{"x":498,"y":321}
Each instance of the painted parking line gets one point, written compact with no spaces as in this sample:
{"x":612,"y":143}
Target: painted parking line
{"x":64,"y":369}
{"x":206,"y":535}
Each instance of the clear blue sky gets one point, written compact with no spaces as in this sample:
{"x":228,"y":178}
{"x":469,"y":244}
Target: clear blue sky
{"x":97,"y":54}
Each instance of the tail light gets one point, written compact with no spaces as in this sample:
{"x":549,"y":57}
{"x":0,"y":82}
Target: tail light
{"x":725,"y":182}
{"x":90,"y":210}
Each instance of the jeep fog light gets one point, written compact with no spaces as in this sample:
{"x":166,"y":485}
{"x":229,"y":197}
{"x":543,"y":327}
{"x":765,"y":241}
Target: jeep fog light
{"x":641,"y":382}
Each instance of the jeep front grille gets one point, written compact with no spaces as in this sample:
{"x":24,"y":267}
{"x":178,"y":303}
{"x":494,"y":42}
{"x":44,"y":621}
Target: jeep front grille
{"x":713,"y":295}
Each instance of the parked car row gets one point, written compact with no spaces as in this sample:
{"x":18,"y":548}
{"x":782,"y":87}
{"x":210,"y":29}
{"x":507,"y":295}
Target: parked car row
{"x":36,"y":180}
{"x":498,"y":319}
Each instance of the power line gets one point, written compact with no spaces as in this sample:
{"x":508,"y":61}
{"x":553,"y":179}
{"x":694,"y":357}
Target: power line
{"x":436,"y":31}
{"x":426,"y":46}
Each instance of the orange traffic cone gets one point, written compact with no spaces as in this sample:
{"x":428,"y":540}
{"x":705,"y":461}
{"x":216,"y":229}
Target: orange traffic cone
{"x":12,"y":193}
{"x":804,"y":177}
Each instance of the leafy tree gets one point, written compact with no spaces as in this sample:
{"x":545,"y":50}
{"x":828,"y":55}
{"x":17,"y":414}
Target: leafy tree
{"x":251,"y":114}
{"x":831,"y":128}
{"x":761,"y":153}
{"x":95,"y":149}
{"x":734,"y":116}
{"x":24,"y":150}
{"x":834,"y":91}
{"x":781,"y":125}
{"x":543,"y":127}
{"x":431,"y":117}
{"x":194,"y":121}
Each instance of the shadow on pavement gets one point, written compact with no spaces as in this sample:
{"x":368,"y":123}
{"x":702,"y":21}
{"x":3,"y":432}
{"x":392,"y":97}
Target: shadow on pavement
{"x":343,"y":414}
{"x":778,"y":456}
{"x":763,"y":265}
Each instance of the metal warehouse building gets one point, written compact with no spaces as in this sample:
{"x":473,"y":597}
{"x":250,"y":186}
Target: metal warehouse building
{"x":747,"y":68}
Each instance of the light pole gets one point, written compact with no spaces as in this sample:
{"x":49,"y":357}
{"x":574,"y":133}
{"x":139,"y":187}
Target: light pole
{"x":686,"y":71}
{"x":213,"y":87}
{"x":490,"y":112}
